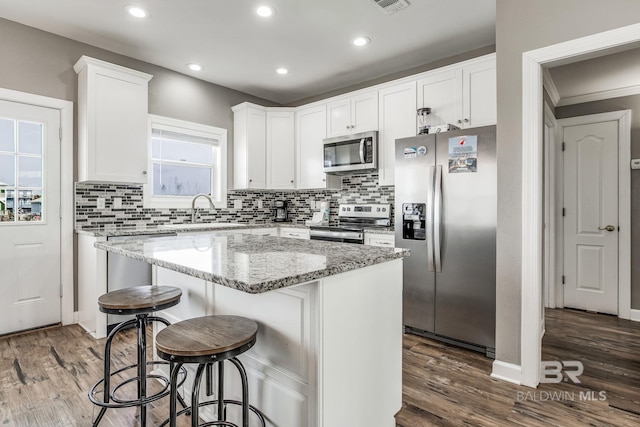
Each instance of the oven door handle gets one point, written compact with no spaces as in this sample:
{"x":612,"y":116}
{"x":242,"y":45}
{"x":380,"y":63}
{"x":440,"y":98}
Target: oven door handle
{"x":352,"y":235}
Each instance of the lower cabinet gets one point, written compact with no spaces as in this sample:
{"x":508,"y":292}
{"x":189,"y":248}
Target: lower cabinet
{"x":375,"y":239}
{"x":281,"y":366}
{"x":269,"y":231}
{"x":295,"y":233}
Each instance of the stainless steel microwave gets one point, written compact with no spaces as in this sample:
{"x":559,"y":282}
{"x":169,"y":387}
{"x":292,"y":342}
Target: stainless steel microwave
{"x":351,"y":153}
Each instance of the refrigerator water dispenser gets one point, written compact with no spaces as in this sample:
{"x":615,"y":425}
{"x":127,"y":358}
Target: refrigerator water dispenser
{"x":414,"y":221}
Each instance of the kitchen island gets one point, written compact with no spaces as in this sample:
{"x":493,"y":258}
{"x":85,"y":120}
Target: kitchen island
{"x":329,"y":348}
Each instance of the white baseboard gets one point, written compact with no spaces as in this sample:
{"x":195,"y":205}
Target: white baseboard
{"x":506,"y":372}
{"x":635,"y":315}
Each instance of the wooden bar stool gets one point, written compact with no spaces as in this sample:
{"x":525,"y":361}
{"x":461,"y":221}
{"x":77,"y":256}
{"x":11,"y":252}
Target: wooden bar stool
{"x":208,"y":340}
{"x":138,"y":301}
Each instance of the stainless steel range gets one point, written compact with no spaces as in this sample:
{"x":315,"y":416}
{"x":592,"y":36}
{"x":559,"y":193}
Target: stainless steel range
{"x":353,"y":219}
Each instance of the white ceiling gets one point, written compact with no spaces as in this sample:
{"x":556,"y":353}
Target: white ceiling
{"x":240,"y":50}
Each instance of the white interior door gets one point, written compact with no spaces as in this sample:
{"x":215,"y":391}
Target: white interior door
{"x":591,"y":217}
{"x":29,"y":216}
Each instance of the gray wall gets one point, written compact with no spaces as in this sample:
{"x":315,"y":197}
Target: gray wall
{"x":616,"y":104}
{"x":521,"y":26}
{"x":38,"y":62}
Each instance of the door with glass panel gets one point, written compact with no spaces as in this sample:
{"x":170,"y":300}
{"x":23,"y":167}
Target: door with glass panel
{"x":29,"y":216}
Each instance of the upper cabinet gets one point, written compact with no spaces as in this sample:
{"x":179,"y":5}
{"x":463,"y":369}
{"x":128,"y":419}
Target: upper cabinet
{"x":311,"y":129}
{"x":355,"y":114}
{"x":281,"y":143}
{"x":263,"y":147}
{"x":112,"y":122}
{"x":249,"y":146}
{"x":397,"y":118}
{"x":463,"y":95}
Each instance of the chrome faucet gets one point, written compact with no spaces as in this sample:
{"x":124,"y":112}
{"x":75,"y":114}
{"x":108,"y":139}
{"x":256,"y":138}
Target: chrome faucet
{"x":193,"y":205}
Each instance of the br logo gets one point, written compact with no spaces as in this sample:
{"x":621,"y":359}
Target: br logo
{"x":555,"y":372}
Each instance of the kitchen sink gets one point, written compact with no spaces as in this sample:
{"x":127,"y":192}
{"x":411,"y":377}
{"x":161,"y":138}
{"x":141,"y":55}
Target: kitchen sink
{"x":202,"y":226}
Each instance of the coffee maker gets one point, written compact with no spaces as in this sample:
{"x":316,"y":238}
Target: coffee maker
{"x":280,"y":212}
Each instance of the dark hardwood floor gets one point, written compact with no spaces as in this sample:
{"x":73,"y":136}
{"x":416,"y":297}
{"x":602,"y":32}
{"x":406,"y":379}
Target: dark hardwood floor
{"x":45,"y":376}
{"x":448,"y":386}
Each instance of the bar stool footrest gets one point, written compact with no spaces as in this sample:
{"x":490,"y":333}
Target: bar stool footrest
{"x":187,"y":410}
{"x":115,"y":402}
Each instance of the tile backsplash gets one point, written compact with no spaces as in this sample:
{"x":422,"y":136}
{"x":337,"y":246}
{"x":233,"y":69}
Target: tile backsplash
{"x":362,"y":188}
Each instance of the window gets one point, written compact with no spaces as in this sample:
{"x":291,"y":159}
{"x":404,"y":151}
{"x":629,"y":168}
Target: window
{"x":21,"y":159}
{"x":185,"y":159}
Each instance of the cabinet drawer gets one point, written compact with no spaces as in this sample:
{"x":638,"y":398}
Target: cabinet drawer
{"x":295,"y":233}
{"x":387,"y":240}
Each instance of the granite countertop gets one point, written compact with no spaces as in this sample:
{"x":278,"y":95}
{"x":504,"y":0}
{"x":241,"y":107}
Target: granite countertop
{"x":252,"y":263}
{"x":111,"y":230}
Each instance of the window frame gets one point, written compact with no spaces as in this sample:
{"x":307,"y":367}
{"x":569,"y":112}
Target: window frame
{"x":218,"y":176}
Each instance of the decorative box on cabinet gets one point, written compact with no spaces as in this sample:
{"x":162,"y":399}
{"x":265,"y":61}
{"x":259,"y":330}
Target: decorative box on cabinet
{"x":356,"y":114}
{"x":112,"y":122}
{"x":311,"y":128}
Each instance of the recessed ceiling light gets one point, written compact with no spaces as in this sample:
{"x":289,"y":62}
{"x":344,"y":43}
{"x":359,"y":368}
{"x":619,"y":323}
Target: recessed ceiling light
{"x":136,"y":11}
{"x":265,"y":11}
{"x":282,"y":70}
{"x":194,"y":67}
{"x":361,"y":41}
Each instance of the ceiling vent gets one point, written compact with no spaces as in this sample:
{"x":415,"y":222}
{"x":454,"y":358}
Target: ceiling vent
{"x":391,"y":6}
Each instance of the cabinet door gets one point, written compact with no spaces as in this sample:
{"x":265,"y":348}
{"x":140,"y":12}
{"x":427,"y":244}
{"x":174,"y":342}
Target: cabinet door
{"x":256,"y":148}
{"x":364,"y":112}
{"x":339,"y":118}
{"x":442,"y":92}
{"x":311,"y":128}
{"x":112,"y":122}
{"x":295,"y":233}
{"x":397,"y":114}
{"x":280,"y":150}
{"x":479,"y":94}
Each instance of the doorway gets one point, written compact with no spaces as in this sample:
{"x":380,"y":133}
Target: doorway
{"x":37,"y":210}
{"x":532,"y":176}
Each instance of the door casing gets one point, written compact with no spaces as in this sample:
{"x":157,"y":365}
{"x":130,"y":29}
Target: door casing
{"x":528,"y":372}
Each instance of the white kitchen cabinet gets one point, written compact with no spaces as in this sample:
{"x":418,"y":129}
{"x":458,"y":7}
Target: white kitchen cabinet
{"x":249,"y":146}
{"x":463,"y":95}
{"x":355,"y":114}
{"x":379,"y":239}
{"x":397,"y":119}
{"x":92,"y":282}
{"x":267,"y":231}
{"x":311,"y":129}
{"x":112,"y":122}
{"x":479,"y":94}
{"x":295,"y":233}
{"x":281,"y":140}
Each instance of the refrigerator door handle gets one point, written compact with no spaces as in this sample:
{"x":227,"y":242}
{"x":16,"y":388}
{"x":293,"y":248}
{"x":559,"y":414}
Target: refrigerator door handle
{"x":429,"y":220}
{"x":437,"y":219}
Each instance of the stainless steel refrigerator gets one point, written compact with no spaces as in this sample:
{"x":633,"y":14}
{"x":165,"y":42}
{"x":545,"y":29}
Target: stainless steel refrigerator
{"x":445,"y":213}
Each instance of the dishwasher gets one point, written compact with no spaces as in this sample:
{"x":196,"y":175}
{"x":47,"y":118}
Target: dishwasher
{"x":124,"y":272}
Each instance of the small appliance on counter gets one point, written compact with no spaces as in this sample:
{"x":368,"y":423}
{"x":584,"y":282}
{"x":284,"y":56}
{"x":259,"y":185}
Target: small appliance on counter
{"x":321,"y":217}
{"x":280,"y":213}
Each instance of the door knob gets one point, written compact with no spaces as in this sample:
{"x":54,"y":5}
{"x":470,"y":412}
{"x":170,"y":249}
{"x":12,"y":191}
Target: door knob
{"x":608,"y":228}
